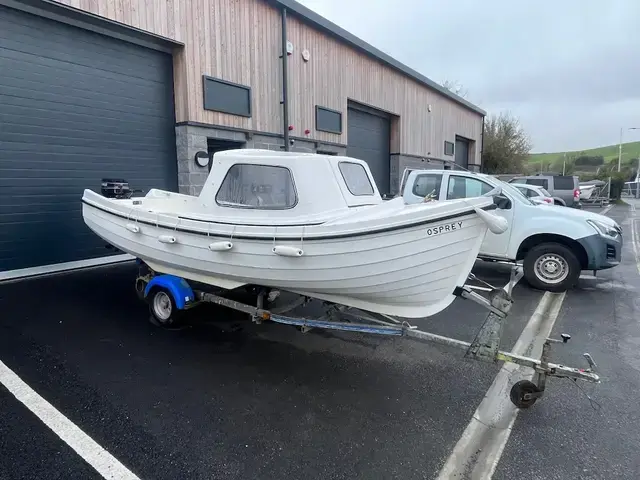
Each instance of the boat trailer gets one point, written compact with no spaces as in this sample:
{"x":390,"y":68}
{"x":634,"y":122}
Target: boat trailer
{"x":169,"y":296}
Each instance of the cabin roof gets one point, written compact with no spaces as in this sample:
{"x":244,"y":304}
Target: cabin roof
{"x":316,"y":190}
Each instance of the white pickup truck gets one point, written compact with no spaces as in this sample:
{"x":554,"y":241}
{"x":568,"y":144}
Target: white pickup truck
{"x":554,"y":243}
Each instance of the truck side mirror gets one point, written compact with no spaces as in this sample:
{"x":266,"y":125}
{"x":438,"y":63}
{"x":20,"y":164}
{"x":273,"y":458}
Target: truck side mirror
{"x":502,"y":202}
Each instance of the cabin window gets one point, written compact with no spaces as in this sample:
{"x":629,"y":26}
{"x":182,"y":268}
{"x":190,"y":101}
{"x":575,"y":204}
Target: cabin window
{"x":356,"y":178}
{"x":257,"y":186}
{"x":427,"y":184}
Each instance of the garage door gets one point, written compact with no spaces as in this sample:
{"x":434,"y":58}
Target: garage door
{"x":462,"y":152}
{"x":369,"y":139}
{"x":75,"y":107}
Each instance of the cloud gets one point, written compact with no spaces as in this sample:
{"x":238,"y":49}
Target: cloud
{"x":568,"y":69}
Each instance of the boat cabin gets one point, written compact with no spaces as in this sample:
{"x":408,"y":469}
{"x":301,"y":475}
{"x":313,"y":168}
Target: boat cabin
{"x":246,"y":184}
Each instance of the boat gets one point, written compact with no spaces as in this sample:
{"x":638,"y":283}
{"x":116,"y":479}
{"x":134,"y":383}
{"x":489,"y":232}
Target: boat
{"x":307,"y":223}
{"x":586,"y":190}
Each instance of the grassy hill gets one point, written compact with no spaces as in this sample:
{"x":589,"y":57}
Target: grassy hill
{"x":629,"y":150}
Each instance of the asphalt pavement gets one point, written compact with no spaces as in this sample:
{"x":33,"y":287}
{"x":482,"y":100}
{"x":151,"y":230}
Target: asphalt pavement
{"x":222,"y":398}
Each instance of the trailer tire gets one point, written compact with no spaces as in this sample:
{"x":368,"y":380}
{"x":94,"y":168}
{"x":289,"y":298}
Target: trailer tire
{"x":551,"y":267}
{"x":162,"y":307}
{"x":520,"y":390}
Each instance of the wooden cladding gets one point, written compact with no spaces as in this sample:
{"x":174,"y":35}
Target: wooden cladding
{"x":239,"y":41}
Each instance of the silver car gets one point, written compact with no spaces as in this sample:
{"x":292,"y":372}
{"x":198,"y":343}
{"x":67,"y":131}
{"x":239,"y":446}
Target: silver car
{"x":535,"y":193}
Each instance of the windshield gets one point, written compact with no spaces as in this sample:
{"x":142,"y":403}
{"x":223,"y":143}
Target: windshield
{"x":544,"y":192}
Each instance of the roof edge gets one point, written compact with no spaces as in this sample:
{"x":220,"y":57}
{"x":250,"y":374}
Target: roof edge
{"x":341,"y":34}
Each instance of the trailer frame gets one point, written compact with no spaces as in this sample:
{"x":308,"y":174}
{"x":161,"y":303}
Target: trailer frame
{"x":169,"y":296}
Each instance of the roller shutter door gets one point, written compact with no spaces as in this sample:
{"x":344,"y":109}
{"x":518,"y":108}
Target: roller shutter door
{"x":369,"y":139}
{"x":75,"y":107}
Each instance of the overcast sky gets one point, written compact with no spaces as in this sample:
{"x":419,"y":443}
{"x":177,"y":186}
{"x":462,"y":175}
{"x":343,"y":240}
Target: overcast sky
{"x":569,"y":69}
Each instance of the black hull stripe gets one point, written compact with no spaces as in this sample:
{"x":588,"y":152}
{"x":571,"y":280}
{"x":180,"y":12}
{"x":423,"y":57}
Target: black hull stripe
{"x":310,"y":224}
{"x":289,"y":237}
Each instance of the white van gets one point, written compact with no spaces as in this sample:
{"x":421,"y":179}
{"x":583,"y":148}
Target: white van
{"x":554,"y":243}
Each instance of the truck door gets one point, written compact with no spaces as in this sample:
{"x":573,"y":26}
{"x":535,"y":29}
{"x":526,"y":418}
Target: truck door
{"x":462,"y":186}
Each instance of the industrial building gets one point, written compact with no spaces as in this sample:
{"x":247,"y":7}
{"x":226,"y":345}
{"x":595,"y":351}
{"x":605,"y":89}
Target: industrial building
{"x":144,"y":89}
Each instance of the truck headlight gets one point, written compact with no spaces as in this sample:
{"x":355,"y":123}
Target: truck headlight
{"x":603,"y":229}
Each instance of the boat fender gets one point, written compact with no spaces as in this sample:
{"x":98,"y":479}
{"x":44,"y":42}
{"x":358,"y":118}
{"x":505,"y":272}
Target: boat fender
{"x":220,"y":246}
{"x":132,"y":227}
{"x":286,"y":251}
{"x":167,"y":239}
{"x":495,"y":223}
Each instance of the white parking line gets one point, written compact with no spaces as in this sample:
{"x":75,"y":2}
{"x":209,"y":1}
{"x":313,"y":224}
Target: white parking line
{"x":634,"y":242}
{"x":96,"y":456}
{"x":478,"y":451}
{"x":606,"y":209}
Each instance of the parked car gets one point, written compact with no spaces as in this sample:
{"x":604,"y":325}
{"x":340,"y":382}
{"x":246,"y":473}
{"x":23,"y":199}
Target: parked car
{"x":554,"y":244}
{"x":535,"y":193}
{"x":564,"y":188}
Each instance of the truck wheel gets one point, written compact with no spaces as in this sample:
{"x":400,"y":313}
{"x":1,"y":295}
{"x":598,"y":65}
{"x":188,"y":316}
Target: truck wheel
{"x":552,"y":267}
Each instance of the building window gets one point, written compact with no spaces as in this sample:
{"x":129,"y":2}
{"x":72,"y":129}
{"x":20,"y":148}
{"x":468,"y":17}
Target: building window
{"x":257,"y":186}
{"x":328,"y":120}
{"x":448,"y":148}
{"x":356,"y":178}
{"x":226,"y":97}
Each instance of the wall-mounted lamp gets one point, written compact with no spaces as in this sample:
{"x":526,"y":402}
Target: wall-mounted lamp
{"x":202,"y":158}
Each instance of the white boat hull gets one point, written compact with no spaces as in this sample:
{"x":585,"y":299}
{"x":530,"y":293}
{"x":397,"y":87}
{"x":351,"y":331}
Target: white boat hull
{"x":408,"y":272}
{"x":586,"y":191}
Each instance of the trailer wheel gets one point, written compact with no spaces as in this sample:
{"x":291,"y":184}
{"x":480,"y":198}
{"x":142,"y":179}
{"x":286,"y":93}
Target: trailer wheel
{"x":163,"y":308}
{"x":552,"y":267}
{"x":520,"y":391}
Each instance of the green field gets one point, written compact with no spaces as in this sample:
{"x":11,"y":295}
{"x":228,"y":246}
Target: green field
{"x":629,"y":150}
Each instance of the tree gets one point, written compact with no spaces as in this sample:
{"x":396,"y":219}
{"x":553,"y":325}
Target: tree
{"x":590,"y":160}
{"x":564,"y":164}
{"x":505,"y":146}
{"x":455,"y":87}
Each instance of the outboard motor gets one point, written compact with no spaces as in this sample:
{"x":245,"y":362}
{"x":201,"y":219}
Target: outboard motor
{"x":115,"y":188}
